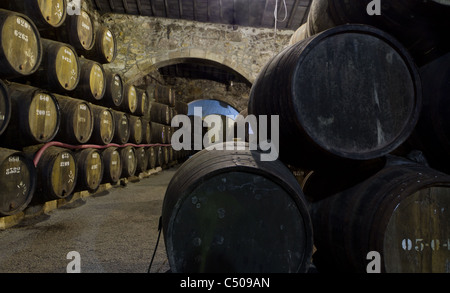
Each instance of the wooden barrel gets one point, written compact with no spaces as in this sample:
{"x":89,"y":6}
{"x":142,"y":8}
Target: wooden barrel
{"x":90,"y":169}
{"x":299,"y":34}
{"x":141,"y":160}
{"x":164,"y":95}
{"x":35,"y":117}
{"x":143,"y":103}
{"x":104,"y":125}
{"x":77,"y":120}
{"x":362,"y":104}
{"x":159,"y":156}
{"x":181,"y":107}
{"x":432,"y":132}
{"x":78,"y":30}
{"x":92,"y":83}
{"x":105,"y":46}
{"x":158,"y":132}
{"x":17,"y":181}
{"x":207,"y":201}
{"x":401,"y":212}
{"x":112,"y":165}
{"x":56,"y":174}
{"x":160,"y":113}
{"x":114,"y":89}
{"x":129,"y":161}
{"x":421,"y":26}
{"x":146,"y":131}
{"x":59,"y":70}
{"x":122,"y":130}
{"x":135,"y":129}
{"x":20,"y":45}
{"x":165,"y":156}
{"x":44,"y":14}
{"x":152,"y":159}
{"x":129,"y":103}
{"x":5,"y":107}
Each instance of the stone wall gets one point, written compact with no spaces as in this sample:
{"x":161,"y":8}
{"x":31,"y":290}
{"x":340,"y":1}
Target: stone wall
{"x":148,"y":43}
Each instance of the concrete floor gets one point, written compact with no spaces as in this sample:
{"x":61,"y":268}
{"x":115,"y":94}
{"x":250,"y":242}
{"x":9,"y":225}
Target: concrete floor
{"x":114,"y":231}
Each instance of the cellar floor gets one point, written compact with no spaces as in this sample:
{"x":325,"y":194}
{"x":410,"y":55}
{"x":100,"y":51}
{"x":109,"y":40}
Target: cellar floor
{"x":112,"y":231}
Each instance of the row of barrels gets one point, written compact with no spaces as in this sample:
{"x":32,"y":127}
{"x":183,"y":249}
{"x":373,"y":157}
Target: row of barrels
{"x":348,"y":100}
{"x":30,"y":116}
{"x":39,"y":174}
{"x":399,"y":211}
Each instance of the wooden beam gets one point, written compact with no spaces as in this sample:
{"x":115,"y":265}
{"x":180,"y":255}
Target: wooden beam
{"x":152,"y":5}
{"x":180,"y":9}
{"x":111,"y":5}
{"x":194,"y":5}
{"x":125,"y":6}
{"x":221,"y":10}
{"x":139,"y":7}
{"x":266,"y":5}
{"x":291,"y":16}
{"x":166,"y":8}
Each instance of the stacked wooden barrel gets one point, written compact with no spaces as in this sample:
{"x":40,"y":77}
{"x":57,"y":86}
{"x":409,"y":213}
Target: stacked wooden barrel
{"x":60,"y":107}
{"x":376,"y":185}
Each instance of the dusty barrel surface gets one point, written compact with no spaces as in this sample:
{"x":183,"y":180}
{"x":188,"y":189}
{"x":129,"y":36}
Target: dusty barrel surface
{"x":160,"y":113}
{"x":90,"y":169}
{"x":105,"y":46}
{"x":77,"y":120}
{"x":206,"y":212}
{"x":17,"y":181}
{"x":45,"y":14}
{"x":143,"y":103}
{"x":421,"y":26}
{"x":141,"y":159}
{"x":401,"y":212}
{"x":152,"y":160}
{"x":57,"y":174}
{"x":129,"y":161}
{"x":35,"y":116}
{"x":123,"y":127}
{"x":351,"y":92}
{"x":158,"y":132}
{"x":20,"y":45}
{"x":59,"y":70}
{"x":104,"y":125}
{"x":129,"y":103}
{"x":5,"y":107}
{"x":146,"y":131}
{"x":113,"y":165}
{"x":92,"y":83}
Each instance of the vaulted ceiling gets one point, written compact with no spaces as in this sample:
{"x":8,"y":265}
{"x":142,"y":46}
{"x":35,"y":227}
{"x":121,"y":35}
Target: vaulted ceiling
{"x":253,"y":13}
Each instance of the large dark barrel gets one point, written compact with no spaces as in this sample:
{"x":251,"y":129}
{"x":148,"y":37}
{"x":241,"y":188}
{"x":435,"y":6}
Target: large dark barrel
{"x":92,"y":83}
{"x":421,"y":26}
{"x":135,"y":129}
{"x":432,"y":132}
{"x":20,"y":45}
{"x":17,"y":181}
{"x":229,"y":211}
{"x":143,"y":103}
{"x":5,"y":107}
{"x":35,"y":117}
{"x":112,"y":164}
{"x":141,"y":160}
{"x":164,"y":95}
{"x":45,"y":14}
{"x":401,"y":212}
{"x":104,"y":125}
{"x":77,"y":120}
{"x":159,"y":156}
{"x":90,"y":169}
{"x":123,"y":127}
{"x":114,"y":89}
{"x":105,"y":46}
{"x":349,"y":93}
{"x":56,"y":174}
{"x":158,"y":132}
{"x":181,"y":107}
{"x":146,"y":131}
{"x":160,"y":113}
{"x":152,"y":159}
{"x":129,"y":161}
{"x":59,"y":70}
